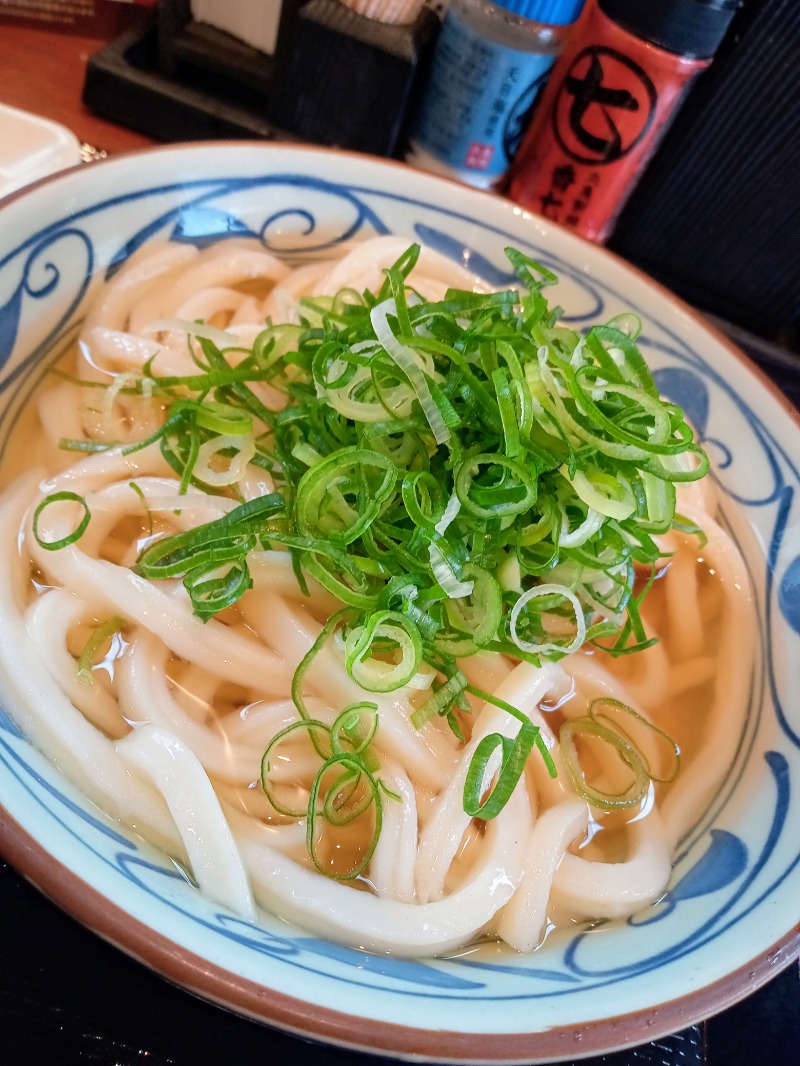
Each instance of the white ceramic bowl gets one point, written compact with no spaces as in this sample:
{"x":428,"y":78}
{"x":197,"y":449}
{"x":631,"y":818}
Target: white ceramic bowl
{"x":730,"y":917}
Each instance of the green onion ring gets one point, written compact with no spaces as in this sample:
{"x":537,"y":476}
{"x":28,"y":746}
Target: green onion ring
{"x":63,"y":542}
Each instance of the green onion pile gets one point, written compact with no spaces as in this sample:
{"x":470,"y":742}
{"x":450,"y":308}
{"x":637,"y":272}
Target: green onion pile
{"x":463,"y":475}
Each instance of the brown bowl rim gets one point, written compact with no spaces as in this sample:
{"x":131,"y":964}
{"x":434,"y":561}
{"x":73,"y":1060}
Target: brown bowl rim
{"x":217,"y":985}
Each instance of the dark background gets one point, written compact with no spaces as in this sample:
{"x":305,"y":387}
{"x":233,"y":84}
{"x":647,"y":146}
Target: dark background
{"x":716,"y":216}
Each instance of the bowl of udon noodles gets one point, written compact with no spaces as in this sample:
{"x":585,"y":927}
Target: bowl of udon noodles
{"x":399,"y":608}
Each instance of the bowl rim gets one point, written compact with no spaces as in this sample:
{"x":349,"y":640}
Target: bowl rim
{"x":215,"y":984}
{"x":357,"y":158}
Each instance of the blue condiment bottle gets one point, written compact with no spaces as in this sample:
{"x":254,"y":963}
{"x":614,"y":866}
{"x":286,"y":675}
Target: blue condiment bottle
{"x":488,"y":66}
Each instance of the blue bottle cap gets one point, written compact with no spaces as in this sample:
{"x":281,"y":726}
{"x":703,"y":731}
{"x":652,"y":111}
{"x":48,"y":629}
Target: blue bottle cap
{"x":548,"y":12}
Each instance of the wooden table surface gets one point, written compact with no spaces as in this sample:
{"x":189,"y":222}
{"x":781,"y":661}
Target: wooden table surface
{"x":42,"y":70}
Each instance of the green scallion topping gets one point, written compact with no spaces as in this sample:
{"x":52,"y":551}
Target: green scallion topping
{"x":70,"y":538}
{"x":346,"y":786}
{"x":105,"y":632}
{"x":462,"y":475}
{"x":635,"y":741}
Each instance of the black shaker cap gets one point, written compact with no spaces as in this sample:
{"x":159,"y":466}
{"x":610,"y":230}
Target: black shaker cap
{"x":692,"y":28}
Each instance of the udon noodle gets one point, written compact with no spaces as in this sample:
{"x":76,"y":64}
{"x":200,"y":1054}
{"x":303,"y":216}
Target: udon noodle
{"x":168,"y":731}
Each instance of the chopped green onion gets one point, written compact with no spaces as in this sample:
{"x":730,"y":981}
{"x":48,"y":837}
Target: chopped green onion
{"x":103,"y":633}
{"x":137,"y":489}
{"x":356,"y":771}
{"x":460,"y":474}
{"x":306,"y":725}
{"x":220,"y":337}
{"x":70,"y":538}
{"x":512,"y":490}
{"x":336,"y":498}
{"x":683,"y":525}
{"x":601,"y":722}
{"x":548,"y":591}
{"x":410,"y":366}
{"x":441,"y":701}
{"x":374,"y":675}
{"x":514,"y":755}
{"x":346,"y":747}
{"x":633,"y":794}
{"x":642,"y":734}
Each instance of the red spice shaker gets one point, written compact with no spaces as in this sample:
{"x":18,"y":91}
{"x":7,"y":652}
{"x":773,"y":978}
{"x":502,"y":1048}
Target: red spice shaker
{"x":610,"y":98}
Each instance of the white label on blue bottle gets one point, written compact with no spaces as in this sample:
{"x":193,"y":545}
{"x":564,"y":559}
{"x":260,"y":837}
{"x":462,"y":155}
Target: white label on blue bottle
{"x":477,"y":101}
